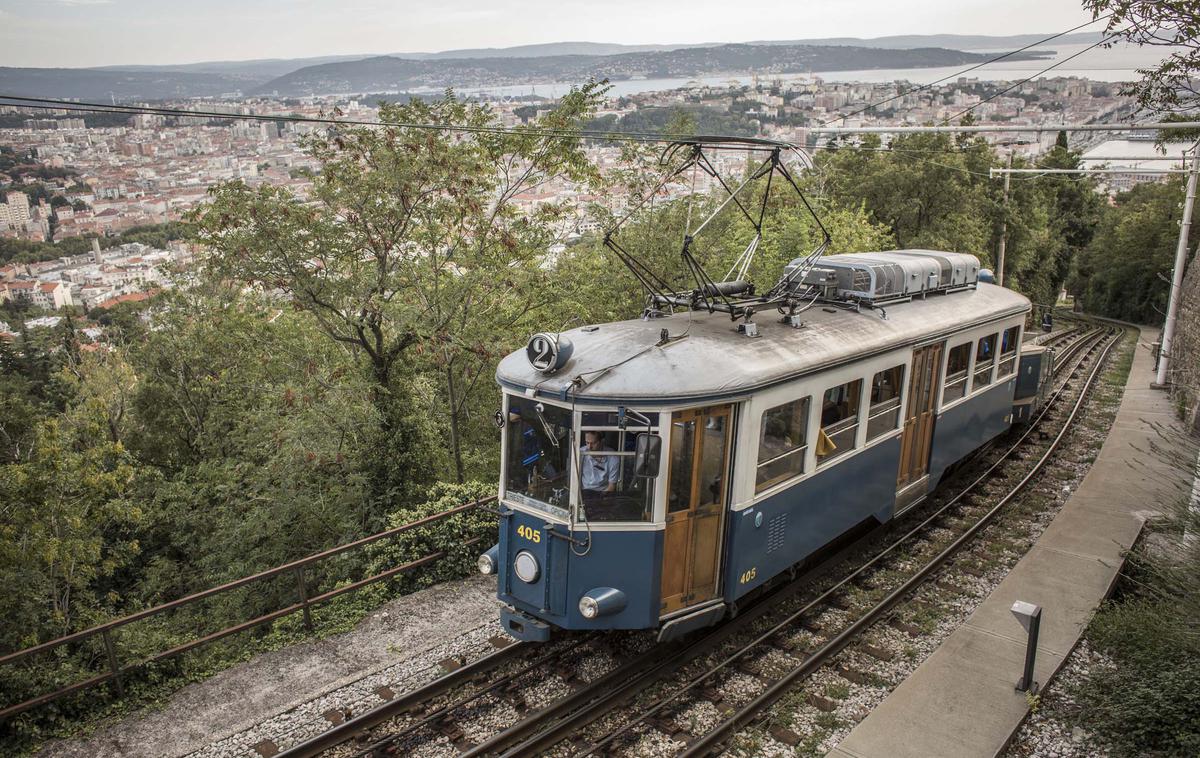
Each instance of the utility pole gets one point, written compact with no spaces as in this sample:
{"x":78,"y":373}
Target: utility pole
{"x":1003,"y":225}
{"x":1168,"y":334}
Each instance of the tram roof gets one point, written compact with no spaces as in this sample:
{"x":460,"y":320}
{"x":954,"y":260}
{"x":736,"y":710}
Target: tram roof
{"x":621,"y":363}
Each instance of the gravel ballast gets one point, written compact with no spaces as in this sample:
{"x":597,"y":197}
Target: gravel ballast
{"x":281,"y":696}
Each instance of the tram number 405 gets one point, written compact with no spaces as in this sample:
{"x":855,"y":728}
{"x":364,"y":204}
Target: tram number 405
{"x":529,"y":533}
{"x":748,"y":576}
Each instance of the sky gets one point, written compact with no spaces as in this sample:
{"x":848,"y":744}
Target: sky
{"x":77,"y":33}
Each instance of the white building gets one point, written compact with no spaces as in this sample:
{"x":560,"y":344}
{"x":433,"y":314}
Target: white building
{"x":53,"y":295}
{"x":18,"y":208}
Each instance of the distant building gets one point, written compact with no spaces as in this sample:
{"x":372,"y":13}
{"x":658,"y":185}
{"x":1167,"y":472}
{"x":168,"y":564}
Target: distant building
{"x":15,"y":210}
{"x":132,"y":297}
{"x":45,"y":322}
{"x":53,"y":295}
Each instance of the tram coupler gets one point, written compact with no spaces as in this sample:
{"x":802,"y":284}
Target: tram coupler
{"x":523,"y":626}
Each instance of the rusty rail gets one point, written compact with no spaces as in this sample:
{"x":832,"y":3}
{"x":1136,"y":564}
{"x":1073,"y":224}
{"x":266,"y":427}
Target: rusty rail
{"x":304,"y":606}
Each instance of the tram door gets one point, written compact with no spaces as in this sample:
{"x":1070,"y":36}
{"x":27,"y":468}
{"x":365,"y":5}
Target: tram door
{"x":918,"y":420}
{"x":697,"y":478}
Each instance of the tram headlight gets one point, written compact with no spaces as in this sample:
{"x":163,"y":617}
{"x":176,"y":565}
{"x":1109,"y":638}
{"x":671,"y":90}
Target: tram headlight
{"x":588,"y":607}
{"x":487,"y":562}
{"x":602,"y":601}
{"x":526,"y":567}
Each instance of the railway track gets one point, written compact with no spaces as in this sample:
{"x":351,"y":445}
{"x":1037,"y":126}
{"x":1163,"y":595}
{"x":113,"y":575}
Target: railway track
{"x":541,"y":732}
{"x":791,"y":632}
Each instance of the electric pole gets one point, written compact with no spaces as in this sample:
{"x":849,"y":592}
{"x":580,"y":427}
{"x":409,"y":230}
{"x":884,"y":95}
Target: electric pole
{"x":1168,"y":333}
{"x":1003,"y":226}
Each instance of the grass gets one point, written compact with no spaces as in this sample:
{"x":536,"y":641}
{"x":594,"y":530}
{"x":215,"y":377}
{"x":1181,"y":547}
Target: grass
{"x":1147,"y":703}
{"x":837,"y":690}
{"x":811,"y":746}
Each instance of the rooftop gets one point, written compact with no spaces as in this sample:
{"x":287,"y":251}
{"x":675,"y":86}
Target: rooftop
{"x":623,"y":361}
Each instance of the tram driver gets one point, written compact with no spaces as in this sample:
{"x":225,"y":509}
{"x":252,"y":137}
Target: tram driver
{"x":601,"y":469}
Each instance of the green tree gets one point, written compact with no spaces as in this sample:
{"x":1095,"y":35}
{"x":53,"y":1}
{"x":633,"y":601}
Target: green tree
{"x":927,"y":190}
{"x":1169,"y":87}
{"x":1123,"y":271}
{"x":409,"y":240}
{"x":1076,"y":207}
{"x":67,"y":529}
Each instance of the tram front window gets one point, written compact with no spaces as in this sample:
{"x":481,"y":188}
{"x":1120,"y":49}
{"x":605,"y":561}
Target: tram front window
{"x":539,"y":452}
{"x":607,"y":486}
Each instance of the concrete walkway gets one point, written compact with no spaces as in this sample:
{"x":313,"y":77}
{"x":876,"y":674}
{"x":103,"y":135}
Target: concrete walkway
{"x":961,"y":701}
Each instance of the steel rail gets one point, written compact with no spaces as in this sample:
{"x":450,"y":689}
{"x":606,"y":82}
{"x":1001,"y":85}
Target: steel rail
{"x":568,"y":717}
{"x":585,"y":704}
{"x":359,"y":725}
{"x":751,"y":710}
{"x":822,"y":599}
{"x":352,"y":728}
{"x":639,"y":667}
{"x":599,"y":693}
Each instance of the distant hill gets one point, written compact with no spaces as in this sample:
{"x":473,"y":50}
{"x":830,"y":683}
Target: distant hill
{"x":91,"y":84}
{"x":952,"y":41}
{"x":548,"y":49}
{"x":389,"y":73}
{"x":259,"y":70}
{"x":148,"y":82}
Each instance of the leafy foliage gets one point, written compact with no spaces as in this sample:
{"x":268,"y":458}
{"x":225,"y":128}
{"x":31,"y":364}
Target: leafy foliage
{"x":931,"y":191}
{"x":409,"y":246}
{"x":1120,"y":273}
{"x":1169,"y":87}
{"x":658,"y":120}
{"x":1147,"y":702}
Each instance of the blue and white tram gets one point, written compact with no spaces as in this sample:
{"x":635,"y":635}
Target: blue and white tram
{"x":656,"y":470}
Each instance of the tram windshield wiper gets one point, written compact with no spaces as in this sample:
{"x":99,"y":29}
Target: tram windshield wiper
{"x":538,"y":408}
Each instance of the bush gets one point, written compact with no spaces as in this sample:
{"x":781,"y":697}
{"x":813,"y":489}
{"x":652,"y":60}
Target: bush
{"x":452,"y":536}
{"x":1149,"y":703}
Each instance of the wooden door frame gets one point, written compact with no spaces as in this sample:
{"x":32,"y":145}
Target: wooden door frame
{"x":697,"y":415}
{"x":934,"y":353}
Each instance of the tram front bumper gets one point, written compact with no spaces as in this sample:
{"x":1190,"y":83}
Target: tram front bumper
{"x":523,"y":626}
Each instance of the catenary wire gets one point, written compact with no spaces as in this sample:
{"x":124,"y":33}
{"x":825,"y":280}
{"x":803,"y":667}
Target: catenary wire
{"x":72,"y":106}
{"x":957,"y":74}
{"x":85,"y":107}
{"x":1014,"y":85}
{"x":44,"y":103}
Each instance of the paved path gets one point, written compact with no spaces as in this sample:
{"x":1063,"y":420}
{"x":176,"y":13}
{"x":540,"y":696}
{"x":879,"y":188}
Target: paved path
{"x":962,"y":701}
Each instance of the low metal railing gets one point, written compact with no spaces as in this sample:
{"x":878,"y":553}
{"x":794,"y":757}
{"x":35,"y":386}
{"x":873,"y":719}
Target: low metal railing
{"x":304,"y":605}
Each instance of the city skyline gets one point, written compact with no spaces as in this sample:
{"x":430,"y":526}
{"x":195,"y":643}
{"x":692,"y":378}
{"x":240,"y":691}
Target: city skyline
{"x":85,"y":33}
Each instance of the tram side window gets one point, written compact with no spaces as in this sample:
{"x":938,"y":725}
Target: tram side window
{"x":956,"y":372}
{"x":885,"y":401}
{"x":607,"y":486}
{"x":782,"y":446}
{"x":1008,"y":352}
{"x":839,"y":420}
{"x":985,"y":356}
